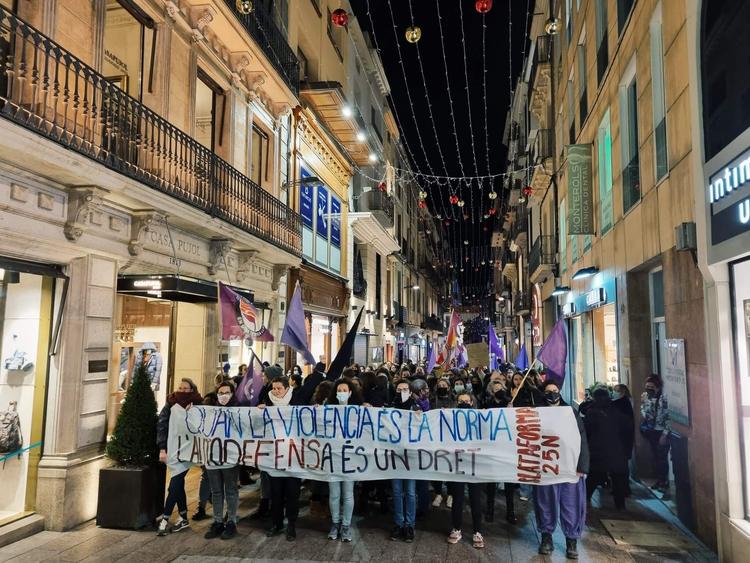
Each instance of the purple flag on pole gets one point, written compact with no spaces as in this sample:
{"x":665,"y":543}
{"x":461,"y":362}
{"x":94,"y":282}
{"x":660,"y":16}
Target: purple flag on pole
{"x":248,"y":391}
{"x":295,"y":333}
{"x":240,"y":319}
{"x":554,"y":352}
{"x":431,"y":359}
{"x":463,"y":356}
{"x":522,"y":360}
{"x":496,"y":351}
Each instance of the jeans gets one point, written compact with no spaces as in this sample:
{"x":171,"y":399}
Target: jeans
{"x":285,"y":495}
{"x":526,"y":490}
{"x":336,"y":490}
{"x":568,"y":500}
{"x":176,"y":495}
{"x":458,"y":490}
{"x":204,"y":490}
{"x":404,"y":502}
{"x":223,"y":483}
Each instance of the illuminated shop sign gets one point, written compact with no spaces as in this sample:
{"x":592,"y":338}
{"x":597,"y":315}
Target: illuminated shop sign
{"x":728,"y":193}
{"x":596,"y":297}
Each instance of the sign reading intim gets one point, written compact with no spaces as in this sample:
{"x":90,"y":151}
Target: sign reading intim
{"x":728,"y":193}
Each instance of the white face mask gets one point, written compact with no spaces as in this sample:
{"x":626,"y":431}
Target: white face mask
{"x":224,"y":398}
{"x":405,"y":396}
{"x":343,"y":396}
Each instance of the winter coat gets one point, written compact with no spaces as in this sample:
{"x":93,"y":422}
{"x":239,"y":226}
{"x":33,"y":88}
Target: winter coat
{"x":304,"y":394}
{"x":625,"y":406}
{"x":610,"y":437}
{"x":377,"y":397}
{"x":162,"y":423}
{"x":529,"y":396}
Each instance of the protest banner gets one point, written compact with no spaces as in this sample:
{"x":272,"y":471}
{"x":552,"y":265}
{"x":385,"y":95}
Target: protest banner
{"x":336,"y":443}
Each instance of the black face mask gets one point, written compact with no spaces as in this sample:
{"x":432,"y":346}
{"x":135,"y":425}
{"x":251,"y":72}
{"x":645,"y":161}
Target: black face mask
{"x":442,"y":392}
{"x":553,"y":397}
{"x":500,"y":395}
{"x":651,"y":393}
{"x":463,"y":406}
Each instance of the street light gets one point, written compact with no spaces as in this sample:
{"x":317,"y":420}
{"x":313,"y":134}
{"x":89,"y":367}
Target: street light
{"x":585,"y":272}
{"x":561,"y":290}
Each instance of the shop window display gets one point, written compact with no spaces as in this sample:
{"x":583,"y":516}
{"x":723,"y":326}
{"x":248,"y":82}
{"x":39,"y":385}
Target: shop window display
{"x":25,"y":313}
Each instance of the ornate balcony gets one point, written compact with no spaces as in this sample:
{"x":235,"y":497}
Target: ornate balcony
{"x":48,"y":90}
{"x":542,"y":258}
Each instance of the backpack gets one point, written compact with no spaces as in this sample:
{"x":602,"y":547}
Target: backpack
{"x":10,"y":430}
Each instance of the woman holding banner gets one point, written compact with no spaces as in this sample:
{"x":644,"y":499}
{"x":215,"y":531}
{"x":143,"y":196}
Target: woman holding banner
{"x":443,"y":398}
{"x":342,"y":393}
{"x":466,"y":401}
{"x":568,"y":500}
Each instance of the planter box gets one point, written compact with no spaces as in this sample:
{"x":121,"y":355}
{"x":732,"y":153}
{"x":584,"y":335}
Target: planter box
{"x":130,"y":498}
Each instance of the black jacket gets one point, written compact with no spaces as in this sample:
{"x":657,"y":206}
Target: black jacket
{"x":304,"y":395}
{"x":610,"y":437}
{"x":626,"y":408}
{"x":529,"y":396}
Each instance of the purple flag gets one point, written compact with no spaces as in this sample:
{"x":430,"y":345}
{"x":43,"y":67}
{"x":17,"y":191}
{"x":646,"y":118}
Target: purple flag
{"x":295,"y":332}
{"x":431,"y":359}
{"x":463,"y":356}
{"x":249,"y":388}
{"x":240,"y":318}
{"x":554,"y":352}
{"x":522,"y":360}
{"x":496,"y":351}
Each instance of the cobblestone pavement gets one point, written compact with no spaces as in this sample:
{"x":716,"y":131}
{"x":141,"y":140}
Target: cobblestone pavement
{"x":504,"y":542}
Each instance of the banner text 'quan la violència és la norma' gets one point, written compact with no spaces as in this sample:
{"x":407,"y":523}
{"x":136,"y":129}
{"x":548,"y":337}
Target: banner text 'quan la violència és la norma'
{"x":339,"y":443}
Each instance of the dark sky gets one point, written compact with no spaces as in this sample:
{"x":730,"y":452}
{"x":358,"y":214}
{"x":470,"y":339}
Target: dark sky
{"x":415,"y":119}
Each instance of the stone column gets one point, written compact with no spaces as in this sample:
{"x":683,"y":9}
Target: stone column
{"x":76,"y":415}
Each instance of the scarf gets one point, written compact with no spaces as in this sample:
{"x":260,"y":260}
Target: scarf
{"x":184,"y":399}
{"x":281,"y":401}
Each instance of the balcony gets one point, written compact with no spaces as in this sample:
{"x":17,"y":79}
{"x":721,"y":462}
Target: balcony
{"x":49,"y":91}
{"x":542,"y":258}
{"x":541,"y":79}
{"x":261,"y":27}
{"x":432,"y":322}
{"x":379,"y":203}
{"x":521,"y":303}
{"x":541,"y":154}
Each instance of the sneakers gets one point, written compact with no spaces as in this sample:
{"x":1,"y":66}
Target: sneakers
{"x":346,"y":534}
{"x":200,"y":514}
{"x":408,"y":534}
{"x":454,"y":536}
{"x":397,"y":533}
{"x":334,"y":533}
{"x":571,"y":548}
{"x":524,"y":498}
{"x":181,"y":524}
{"x":216,"y":529}
{"x":477,"y":540}
{"x":437,"y":501}
{"x":449,"y":501}
{"x":546,"y":546}
{"x":163,"y":528}
{"x":230,"y":530}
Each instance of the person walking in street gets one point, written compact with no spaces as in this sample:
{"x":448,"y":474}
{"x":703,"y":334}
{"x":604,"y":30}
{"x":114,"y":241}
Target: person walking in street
{"x":284,"y":490}
{"x":564,"y":500}
{"x":608,"y":433}
{"x":185,"y":396}
{"x":442,"y":399}
{"x":223,"y":480}
{"x":341,"y":493}
{"x":466,"y":401}
{"x":655,"y":428}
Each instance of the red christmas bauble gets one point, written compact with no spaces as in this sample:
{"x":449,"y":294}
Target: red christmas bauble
{"x":492,"y":211}
{"x":483,"y":6}
{"x":340,"y":18}
{"x":382,"y":187}
{"x":422,"y":205}
{"x":453,"y":199}
{"x":528,"y":190}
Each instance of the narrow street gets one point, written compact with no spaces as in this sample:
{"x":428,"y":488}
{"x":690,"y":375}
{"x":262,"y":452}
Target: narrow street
{"x":371,"y":539}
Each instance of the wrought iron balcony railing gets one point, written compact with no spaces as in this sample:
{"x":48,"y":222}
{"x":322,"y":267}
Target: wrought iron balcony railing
{"x":380,"y":204}
{"x":48,"y":90}
{"x":261,"y":27}
{"x":543,"y":253}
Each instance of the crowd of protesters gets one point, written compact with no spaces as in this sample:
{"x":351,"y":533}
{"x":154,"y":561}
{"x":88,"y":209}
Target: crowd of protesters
{"x":605,"y":423}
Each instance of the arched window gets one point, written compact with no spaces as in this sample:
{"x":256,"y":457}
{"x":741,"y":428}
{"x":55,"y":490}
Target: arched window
{"x":725,"y":67}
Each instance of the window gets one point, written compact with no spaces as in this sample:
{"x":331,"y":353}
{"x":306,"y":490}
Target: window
{"x":321,"y":212}
{"x":209,"y":111}
{"x":378,"y":286}
{"x":583,"y":100}
{"x":563,"y":237}
{"x":631,"y":182}
{"x":260,"y":158}
{"x":375,"y":121}
{"x":658,"y":324}
{"x":624,"y":7}
{"x":604,"y":165}
{"x":335,"y":34}
{"x":569,"y":19}
{"x":129,"y":40}
{"x":659,"y":101}
{"x":571,"y":112}
{"x":602,"y":52}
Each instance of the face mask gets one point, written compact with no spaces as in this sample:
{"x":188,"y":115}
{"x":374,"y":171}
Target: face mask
{"x":343,"y":396}
{"x":553,"y":397}
{"x":464,"y":405}
{"x":458,"y":388}
{"x":616,"y":396}
{"x":224,"y":398}
{"x":442,"y":392}
{"x":651,"y":393}
{"x":405,"y":395}
{"x":499,"y":394}
{"x":469,"y":386}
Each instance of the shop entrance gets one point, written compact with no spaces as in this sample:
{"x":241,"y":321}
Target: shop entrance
{"x":593,"y":350}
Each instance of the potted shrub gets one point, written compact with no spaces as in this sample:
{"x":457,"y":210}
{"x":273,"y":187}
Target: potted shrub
{"x":131,"y":491}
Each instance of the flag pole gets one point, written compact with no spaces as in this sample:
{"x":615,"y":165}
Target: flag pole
{"x":525,"y":376}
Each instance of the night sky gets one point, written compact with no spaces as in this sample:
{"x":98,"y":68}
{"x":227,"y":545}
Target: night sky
{"x":486,"y":154}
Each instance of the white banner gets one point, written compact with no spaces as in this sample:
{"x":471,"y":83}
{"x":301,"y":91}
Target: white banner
{"x":336,"y":443}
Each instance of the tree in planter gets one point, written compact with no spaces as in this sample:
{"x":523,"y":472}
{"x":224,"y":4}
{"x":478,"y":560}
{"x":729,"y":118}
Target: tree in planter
{"x":133,"y":442}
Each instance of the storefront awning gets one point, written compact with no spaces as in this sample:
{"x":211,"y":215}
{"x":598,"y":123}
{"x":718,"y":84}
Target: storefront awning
{"x":175,"y":288}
